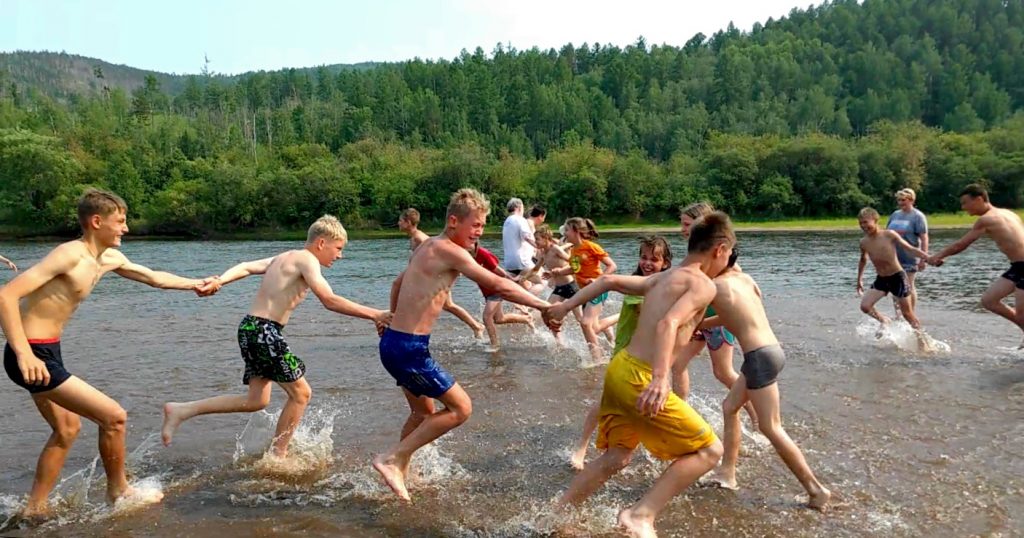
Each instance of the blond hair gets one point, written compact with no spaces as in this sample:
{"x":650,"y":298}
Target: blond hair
{"x":869,"y":213}
{"x":467,"y":201}
{"x":697,"y":210}
{"x":327,"y":227}
{"x":906,"y":193}
{"x":412,"y":216}
{"x":99,"y":202}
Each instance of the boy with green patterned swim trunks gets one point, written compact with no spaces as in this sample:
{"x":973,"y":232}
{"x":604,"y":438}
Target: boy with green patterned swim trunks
{"x":286,"y":279}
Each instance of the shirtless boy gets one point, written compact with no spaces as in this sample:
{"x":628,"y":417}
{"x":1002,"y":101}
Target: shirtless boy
{"x":404,"y":349}
{"x":739,"y":308}
{"x":638,"y":405}
{"x":35,"y":306}
{"x":287,"y":278}
{"x":552,"y":256}
{"x":1006,"y":229}
{"x":880,"y":245}
{"x":409,"y":223}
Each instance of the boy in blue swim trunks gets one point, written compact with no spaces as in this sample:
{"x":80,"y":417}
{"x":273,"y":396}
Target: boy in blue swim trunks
{"x":268,"y":359}
{"x":404,"y":349}
{"x":35,"y":307}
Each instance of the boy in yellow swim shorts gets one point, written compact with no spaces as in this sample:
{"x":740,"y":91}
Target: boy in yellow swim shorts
{"x":638,"y":405}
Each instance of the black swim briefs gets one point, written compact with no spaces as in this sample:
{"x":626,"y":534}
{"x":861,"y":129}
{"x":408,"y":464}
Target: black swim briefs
{"x":896,"y":284}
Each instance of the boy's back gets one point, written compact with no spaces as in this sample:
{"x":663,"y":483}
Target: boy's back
{"x":739,"y":307}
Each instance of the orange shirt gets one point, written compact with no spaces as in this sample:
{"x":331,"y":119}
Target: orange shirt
{"x":586,"y":262}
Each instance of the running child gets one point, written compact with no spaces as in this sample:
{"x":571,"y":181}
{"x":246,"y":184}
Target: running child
{"x":404,"y":348}
{"x":409,"y":222}
{"x":637,"y":404}
{"x":880,"y":245}
{"x":551,"y":256}
{"x":34,"y":308}
{"x":493,"y":314}
{"x":286,"y":279}
{"x":655,"y":257}
{"x":587,"y":261}
{"x":739,"y":307}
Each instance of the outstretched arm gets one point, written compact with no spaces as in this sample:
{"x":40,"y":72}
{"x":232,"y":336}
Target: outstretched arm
{"x":396,"y":288}
{"x":10,"y":265}
{"x":461,"y":261}
{"x":907,"y":246}
{"x":628,"y":285}
{"x":976,"y":232}
{"x":335,"y":303}
{"x":149,"y":277}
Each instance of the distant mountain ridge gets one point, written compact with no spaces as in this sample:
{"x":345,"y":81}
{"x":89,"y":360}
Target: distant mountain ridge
{"x":61,"y":75}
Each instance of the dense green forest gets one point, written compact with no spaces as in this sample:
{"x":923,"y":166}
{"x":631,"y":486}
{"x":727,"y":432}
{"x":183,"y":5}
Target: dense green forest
{"x":815,"y":114}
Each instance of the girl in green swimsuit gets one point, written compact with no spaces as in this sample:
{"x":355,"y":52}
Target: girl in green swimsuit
{"x":655,"y":256}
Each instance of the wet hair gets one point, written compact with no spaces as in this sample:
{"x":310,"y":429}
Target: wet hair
{"x":867,"y":213}
{"x":710,"y":231}
{"x":537,"y":211}
{"x":411,"y":216}
{"x":466,"y":201}
{"x":975,"y":190}
{"x":544,"y":231}
{"x":99,"y":202}
{"x":327,"y":227}
{"x":584,"y":227}
{"x":513,"y":204}
{"x":654,"y":243}
{"x":697,"y":210}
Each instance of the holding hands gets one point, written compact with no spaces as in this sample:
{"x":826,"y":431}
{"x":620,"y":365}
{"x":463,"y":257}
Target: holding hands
{"x":208,"y":286}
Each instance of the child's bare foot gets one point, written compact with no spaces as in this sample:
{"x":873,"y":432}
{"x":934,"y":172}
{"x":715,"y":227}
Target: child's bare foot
{"x":34,"y":514}
{"x":577,"y":459}
{"x":720,"y":480}
{"x":173,"y":417}
{"x":478,"y":331}
{"x":114,"y":493}
{"x":634,"y":525}
{"x":819,"y":500}
{"x":391,"y":471}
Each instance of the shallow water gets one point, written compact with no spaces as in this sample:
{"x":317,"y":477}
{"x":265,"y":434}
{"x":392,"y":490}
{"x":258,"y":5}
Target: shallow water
{"x":909,"y":443}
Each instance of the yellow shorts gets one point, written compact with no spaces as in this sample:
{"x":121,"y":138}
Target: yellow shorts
{"x":674,"y":432}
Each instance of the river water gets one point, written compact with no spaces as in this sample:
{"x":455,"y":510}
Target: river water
{"x":910,"y":444}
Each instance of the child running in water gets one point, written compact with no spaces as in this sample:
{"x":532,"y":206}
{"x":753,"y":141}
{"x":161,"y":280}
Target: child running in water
{"x":585,"y":263}
{"x":552,"y":256}
{"x":268,"y":359}
{"x":718,"y":340}
{"x":637,"y":403}
{"x":493,"y":314}
{"x":655,"y":257}
{"x":880,"y":246}
{"x":35,"y":307}
{"x":405,"y":346}
{"x":739,"y":307}
{"x":409,"y":222}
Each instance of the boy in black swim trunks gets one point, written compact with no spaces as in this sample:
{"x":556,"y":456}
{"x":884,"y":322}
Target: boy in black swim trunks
{"x":739,"y":309}
{"x":268,"y":359}
{"x":880,"y":245}
{"x":34,"y":309}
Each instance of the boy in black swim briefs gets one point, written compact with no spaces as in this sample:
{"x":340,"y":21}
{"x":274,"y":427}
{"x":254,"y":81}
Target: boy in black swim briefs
{"x":268,"y":359}
{"x":880,"y":246}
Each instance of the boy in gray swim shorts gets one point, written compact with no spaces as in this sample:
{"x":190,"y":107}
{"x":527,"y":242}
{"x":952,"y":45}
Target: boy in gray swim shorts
{"x":740,"y":310}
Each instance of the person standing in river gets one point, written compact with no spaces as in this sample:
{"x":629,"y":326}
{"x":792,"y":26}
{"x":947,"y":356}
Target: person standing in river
{"x":911,"y":225}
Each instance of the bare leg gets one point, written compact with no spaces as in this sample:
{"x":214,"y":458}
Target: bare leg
{"x":722,"y":367}
{"x":393,"y":463}
{"x":638,"y":520}
{"x":595,"y":474}
{"x":65,"y":426}
{"x":867,"y":305}
{"x":420,"y":407}
{"x":589,"y":425}
{"x":725,"y":475}
{"x":591,"y":313}
{"x":607,"y":322}
{"x":766,"y":402}
{"x":80,"y":398}
{"x":680,"y":368}
{"x":490,"y":308}
{"x":992,"y":300}
{"x":299,"y":394}
{"x":459,"y":312}
{"x":257,"y":398}
{"x":503,"y":318}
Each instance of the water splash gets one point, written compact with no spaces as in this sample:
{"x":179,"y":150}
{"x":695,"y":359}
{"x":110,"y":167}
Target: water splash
{"x":901,"y":335}
{"x":309,"y":451}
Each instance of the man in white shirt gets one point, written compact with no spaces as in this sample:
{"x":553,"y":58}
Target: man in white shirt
{"x":517,"y":238}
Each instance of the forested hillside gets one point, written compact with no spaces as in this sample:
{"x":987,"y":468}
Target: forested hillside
{"x":818,"y":113}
